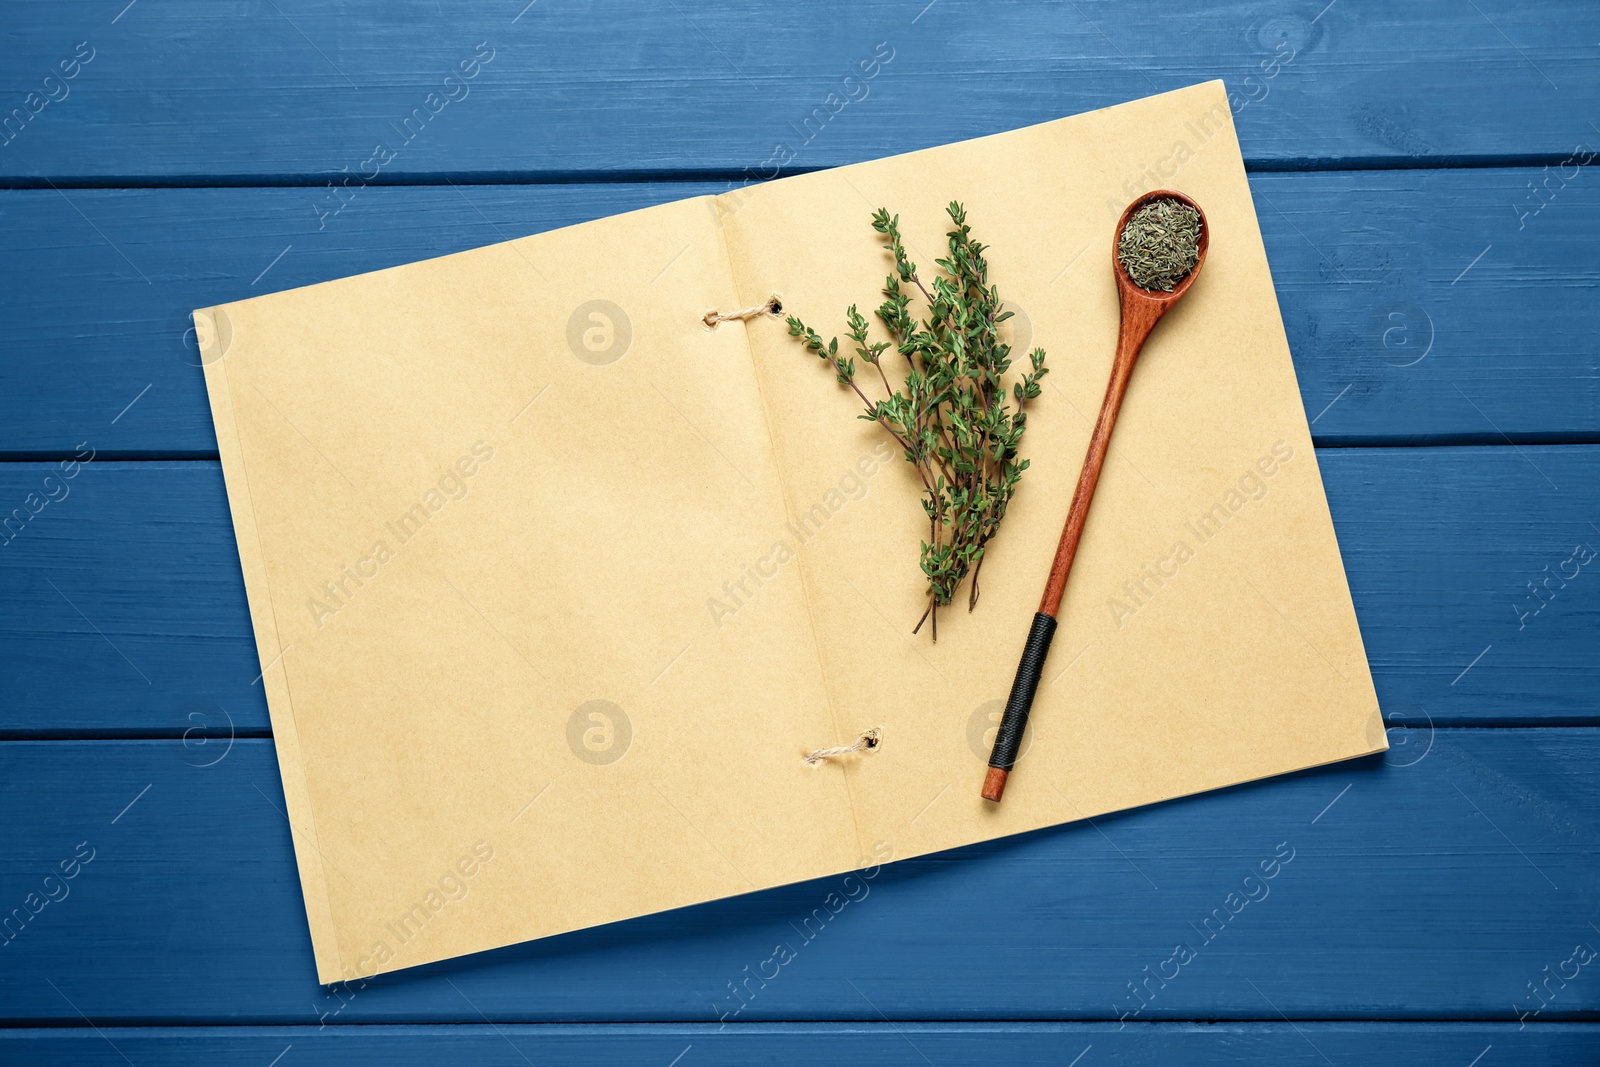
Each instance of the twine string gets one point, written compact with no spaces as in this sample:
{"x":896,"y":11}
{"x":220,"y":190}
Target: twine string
{"x":868,"y":741}
{"x":771,"y":306}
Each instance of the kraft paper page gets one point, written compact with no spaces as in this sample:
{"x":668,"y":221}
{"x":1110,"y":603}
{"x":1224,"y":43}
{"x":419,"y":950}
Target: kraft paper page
{"x":1207,"y":635}
{"x":553,"y":585}
{"x":464,"y":542}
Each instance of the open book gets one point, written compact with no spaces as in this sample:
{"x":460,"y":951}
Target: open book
{"x":554,"y":585}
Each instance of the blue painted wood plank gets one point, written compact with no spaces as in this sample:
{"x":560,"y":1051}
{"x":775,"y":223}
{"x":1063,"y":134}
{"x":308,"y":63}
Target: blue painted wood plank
{"x":1476,"y":578}
{"x":1443,"y":881}
{"x":1404,"y":326}
{"x":126,"y":610}
{"x":507,"y":88}
{"x":1439,"y":305}
{"x":1279,"y":1044}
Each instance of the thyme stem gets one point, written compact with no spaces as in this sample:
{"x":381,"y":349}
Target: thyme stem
{"x":950,"y":414}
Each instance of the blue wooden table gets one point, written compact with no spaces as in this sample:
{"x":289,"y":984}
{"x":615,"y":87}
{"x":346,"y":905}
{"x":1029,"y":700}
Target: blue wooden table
{"x":1424,"y":182}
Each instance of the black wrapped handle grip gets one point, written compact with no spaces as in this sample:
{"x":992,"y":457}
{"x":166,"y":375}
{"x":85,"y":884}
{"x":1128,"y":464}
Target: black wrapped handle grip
{"x":1008,"y":742}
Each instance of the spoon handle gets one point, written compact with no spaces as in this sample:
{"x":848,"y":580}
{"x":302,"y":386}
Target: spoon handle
{"x":1138,"y":319}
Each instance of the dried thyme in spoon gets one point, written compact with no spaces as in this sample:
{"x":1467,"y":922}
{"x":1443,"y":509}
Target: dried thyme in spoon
{"x":1160,"y":244}
{"x":950,"y":413}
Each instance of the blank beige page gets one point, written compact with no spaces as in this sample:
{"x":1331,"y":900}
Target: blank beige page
{"x":478,"y":545}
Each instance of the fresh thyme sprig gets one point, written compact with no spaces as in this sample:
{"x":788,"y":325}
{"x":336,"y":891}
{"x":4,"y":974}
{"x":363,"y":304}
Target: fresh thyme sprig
{"x":950,"y":412}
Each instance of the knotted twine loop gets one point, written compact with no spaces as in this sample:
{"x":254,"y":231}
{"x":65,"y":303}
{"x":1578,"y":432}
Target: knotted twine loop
{"x":868,"y":741}
{"x":772,"y":306}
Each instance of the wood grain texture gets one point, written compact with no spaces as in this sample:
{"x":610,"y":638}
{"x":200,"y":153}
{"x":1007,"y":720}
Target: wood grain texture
{"x":1277,"y":1044}
{"x":1423,"y":306}
{"x":1433,"y":890}
{"x":126,"y":611}
{"x":244,"y":90}
{"x":1390,"y":345}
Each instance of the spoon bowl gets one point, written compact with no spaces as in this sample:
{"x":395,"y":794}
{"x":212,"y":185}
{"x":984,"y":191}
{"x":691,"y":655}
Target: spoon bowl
{"x":1127,"y":288}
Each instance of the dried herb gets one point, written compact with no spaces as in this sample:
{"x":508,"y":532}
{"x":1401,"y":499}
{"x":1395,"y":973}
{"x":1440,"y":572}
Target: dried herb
{"x":1160,"y":244}
{"x":950,"y":412}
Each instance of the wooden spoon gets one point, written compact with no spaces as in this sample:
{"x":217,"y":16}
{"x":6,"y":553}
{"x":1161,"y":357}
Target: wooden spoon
{"x":1141,"y":310}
